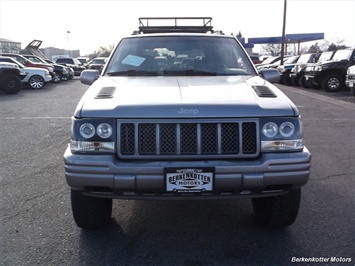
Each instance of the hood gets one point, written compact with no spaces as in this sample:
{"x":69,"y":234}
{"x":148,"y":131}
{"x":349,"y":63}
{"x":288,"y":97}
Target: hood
{"x":184,"y":97}
{"x":34,"y":70}
{"x":334,"y":62}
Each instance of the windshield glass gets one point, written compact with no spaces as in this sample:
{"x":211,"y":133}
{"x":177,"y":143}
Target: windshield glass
{"x":98,"y":61}
{"x":305,"y":58}
{"x":179,"y":55}
{"x":325,"y":56}
{"x":342,"y":54}
{"x":291,"y":59}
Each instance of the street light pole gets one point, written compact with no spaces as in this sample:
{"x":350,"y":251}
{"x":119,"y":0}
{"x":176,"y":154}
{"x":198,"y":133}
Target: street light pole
{"x":68,"y":32}
{"x":283,"y":34}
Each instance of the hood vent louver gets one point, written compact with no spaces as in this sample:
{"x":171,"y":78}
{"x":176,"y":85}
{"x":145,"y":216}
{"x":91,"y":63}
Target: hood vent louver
{"x":264,"y":92}
{"x":106,"y":93}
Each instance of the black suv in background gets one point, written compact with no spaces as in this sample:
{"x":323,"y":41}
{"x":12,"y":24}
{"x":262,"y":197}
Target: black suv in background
{"x":330,"y":75}
{"x":10,"y":78}
{"x":73,"y":63}
{"x":297,"y":72}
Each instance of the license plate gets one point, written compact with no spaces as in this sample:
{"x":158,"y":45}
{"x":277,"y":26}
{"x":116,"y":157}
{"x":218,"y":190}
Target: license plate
{"x":189,"y":180}
{"x":351,"y":84}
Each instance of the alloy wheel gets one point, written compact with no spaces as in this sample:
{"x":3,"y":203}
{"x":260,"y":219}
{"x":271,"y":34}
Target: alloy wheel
{"x":36,"y":82}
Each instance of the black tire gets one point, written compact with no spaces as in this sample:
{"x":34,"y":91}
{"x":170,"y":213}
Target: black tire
{"x":89,"y":212}
{"x":304,"y":83}
{"x":314,"y":86}
{"x":295,"y":82}
{"x":287,"y":80}
{"x":277,"y":211}
{"x":332,"y":83}
{"x":11,"y":84}
{"x":36,"y":82}
{"x":58,"y":77}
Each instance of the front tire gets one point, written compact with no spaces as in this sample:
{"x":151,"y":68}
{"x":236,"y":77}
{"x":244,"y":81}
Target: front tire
{"x":58,"y":77}
{"x":36,"y":82}
{"x":332,"y":83}
{"x":90,"y":212}
{"x":11,"y":84}
{"x":277,"y":211}
{"x":304,"y":83}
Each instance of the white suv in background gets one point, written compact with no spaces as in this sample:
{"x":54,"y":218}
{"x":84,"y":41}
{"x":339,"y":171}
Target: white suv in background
{"x":36,"y":77}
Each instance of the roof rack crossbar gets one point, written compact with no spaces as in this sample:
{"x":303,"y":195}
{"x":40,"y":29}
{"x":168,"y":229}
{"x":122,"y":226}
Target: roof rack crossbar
{"x":203,"y":25}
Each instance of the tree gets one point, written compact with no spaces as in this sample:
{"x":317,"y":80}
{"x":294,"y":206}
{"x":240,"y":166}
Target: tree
{"x":102,"y":51}
{"x":314,"y":49}
{"x":334,"y":47}
{"x":271,"y":48}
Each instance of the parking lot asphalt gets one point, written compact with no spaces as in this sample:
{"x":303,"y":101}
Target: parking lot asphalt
{"x":37,"y":227}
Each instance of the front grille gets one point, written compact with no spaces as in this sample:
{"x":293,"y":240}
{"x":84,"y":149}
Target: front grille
{"x":167,"y":139}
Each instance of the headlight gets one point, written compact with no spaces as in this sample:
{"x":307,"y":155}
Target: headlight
{"x":93,"y":135}
{"x":87,"y":130}
{"x":287,"y":129}
{"x":104,"y":130}
{"x":270,"y":130}
{"x":282,"y":134}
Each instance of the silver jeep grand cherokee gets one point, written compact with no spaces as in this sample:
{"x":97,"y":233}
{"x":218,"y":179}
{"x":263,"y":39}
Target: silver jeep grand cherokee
{"x":180,"y":112}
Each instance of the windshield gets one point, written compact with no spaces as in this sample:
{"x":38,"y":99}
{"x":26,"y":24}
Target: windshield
{"x":342,"y":55}
{"x":179,"y":55}
{"x":306,"y":58}
{"x":271,"y":60}
{"x":291,"y":59}
{"x":325,"y":56}
{"x":98,"y":61}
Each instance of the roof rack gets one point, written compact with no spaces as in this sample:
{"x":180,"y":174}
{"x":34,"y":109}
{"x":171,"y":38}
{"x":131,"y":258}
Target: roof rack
{"x":174,"y":24}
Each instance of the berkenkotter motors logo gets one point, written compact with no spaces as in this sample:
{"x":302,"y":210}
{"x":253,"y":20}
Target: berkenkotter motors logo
{"x":321,"y":260}
{"x":190,"y":180}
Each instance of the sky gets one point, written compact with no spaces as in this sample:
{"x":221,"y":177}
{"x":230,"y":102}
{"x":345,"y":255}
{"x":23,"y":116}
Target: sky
{"x":94,"y":23}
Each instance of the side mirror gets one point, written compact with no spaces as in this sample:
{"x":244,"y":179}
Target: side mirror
{"x":271,"y":75}
{"x":89,"y":76}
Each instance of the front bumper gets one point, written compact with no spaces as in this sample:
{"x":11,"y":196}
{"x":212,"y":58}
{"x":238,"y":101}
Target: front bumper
{"x":350,"y":83}
{"x":106,"y":176}
{"x":47,"y":78}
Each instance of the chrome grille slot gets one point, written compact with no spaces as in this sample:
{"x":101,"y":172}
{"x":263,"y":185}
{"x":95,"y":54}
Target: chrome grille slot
{"x":188,"y":139}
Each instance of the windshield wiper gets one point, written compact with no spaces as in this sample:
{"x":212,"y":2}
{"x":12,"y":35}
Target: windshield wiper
{"x":133,"y":72}
{"x":188,"y":72}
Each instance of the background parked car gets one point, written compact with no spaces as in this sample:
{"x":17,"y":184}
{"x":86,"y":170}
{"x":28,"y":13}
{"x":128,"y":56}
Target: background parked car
{"x":255,"y":59}
{"x":98,"y":63}
{"x":10,"y":78}
{"x":28,"y":63}
{"x":297,"y":72}
{"x":285,"y":69}
{"x":350,"y":79}
{"x":84,"y":60}
{"x":73,"y":63}
{"x":267,"y":61}
{"x":325,"y":56}
{"x":36,"y":77}
{"x":61,"y":72}
{"x":330,"y":75}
